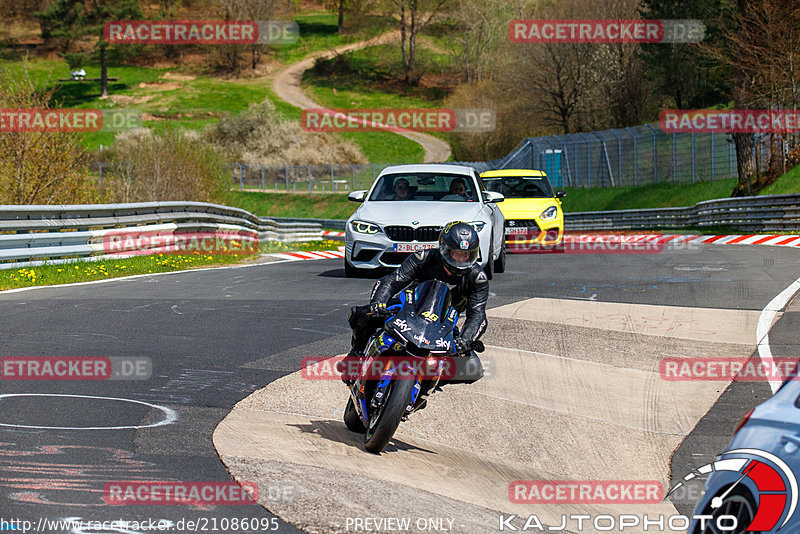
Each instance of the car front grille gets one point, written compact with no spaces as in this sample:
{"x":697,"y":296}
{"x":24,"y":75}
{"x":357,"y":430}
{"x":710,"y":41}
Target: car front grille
{"x":394,"y":258}
{"x":522,"y":223}
{"x":409,"y":233}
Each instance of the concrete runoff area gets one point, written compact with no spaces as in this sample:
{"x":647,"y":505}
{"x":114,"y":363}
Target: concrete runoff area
{"x":558,"y":403}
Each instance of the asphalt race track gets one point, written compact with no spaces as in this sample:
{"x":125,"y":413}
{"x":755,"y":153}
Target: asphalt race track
{"x":574,"y":391}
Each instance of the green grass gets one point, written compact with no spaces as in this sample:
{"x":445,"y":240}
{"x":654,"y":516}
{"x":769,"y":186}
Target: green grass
{"x":665,"y":195}
{"x":786,"y":184}
{"x":336,"y":205}
{"x":192,"y":105}
{"x":84,"y":271}
{"x":329,"y":206}
{"x":319,"y":32}
{"x":368,"y":78}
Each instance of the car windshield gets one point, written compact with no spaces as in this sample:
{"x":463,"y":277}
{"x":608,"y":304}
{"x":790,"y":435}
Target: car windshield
{"x":520,"y":186}
{"x":424,"y":187}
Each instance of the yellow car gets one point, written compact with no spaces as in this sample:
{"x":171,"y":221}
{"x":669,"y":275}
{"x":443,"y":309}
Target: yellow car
{"x":532,"y":209}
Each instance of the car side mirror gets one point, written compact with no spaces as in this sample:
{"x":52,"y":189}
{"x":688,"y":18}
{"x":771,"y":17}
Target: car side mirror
{"x":357,"y":196}
{"x":493,"y":196}
{"x":560,"y":193}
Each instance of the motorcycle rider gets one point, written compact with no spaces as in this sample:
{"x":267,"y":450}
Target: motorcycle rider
{"x":454,"y":262}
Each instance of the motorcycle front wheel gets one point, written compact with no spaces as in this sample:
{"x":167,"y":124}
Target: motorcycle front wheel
{"x":384,"y":421}
{"x":351,"y":419}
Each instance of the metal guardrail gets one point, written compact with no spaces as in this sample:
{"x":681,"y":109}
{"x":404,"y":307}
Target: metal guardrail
{"x":333,"y":224}
{"x":57,"y":234}
{"x":747,"y":214}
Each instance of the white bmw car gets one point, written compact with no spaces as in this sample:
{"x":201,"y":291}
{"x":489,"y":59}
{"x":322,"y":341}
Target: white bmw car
{"x":406,"y":208}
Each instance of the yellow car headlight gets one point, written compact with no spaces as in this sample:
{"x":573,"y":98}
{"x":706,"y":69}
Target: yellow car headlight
{"x":549,"y":214}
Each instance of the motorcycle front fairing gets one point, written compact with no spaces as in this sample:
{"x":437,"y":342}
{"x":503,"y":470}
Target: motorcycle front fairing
{"x":422,"y":328}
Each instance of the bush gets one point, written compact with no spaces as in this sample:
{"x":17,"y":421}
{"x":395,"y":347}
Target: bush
{"x":258,"y":135}
{"x":511,"y":123}
{"x":178,"y":165}
{"x":39,"y":167}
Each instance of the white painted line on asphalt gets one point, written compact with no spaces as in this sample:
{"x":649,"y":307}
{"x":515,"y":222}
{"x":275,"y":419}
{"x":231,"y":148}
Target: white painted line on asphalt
{"x":135,"y":276}
{"x":765,"y":324}
{"x":170,"y":415}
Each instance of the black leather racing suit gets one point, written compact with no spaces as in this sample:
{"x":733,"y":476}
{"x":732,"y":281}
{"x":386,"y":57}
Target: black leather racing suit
{"x":471,"y":292}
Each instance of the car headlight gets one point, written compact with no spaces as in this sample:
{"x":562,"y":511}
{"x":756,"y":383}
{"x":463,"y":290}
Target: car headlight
{"x":364,"y":227}
{"x":549,"y":214}
{"x":478,"y":225}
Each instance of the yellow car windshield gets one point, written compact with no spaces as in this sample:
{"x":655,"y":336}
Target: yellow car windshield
{"x":520,"y":186}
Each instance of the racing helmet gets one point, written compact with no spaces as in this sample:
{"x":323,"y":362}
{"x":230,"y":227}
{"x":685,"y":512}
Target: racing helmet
{"x":459,"y":246}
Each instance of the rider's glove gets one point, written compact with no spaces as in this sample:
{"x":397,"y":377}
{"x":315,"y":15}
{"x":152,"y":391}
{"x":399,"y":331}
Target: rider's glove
{"x":378,"y":308}
{"x":463,"y":345}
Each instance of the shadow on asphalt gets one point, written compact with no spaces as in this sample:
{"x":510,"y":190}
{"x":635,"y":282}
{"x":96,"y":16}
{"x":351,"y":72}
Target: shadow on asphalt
{"x":336,"y":431}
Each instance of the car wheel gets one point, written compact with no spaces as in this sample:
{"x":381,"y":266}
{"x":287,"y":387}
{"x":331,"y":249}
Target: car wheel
{"x":500,"y":263}
{"x":350,"y":271}
{"x":739,"y":503}
{"x":489,"y":269}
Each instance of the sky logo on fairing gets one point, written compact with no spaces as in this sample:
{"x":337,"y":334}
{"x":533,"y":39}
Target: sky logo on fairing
{"x":443,"y":344}
{"x":402,"y":325}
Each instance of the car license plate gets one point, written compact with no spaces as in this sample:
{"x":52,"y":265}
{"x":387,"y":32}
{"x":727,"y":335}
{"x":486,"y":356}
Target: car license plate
{"x":413,"y":247}
{"x":513,"y":231}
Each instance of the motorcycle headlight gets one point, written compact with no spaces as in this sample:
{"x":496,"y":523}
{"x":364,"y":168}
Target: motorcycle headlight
{"x":478,"y":225}
{"x":549,"y":214}
{"x":363,"y":227}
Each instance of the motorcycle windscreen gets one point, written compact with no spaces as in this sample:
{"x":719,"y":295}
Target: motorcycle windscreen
{"x":428,"y":317}
{"x":432,"y":300}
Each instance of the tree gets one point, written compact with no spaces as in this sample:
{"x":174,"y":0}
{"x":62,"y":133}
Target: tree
{"x":683,"y":71}
{"x":258,"y":10}
{"x":414,"y":16}
{"x":70,"y":20}
{"x":761,"y":50}
{"x":480,"y":26}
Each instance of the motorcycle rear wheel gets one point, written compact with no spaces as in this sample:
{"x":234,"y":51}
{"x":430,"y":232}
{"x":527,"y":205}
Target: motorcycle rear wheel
{"x":386,"y":419}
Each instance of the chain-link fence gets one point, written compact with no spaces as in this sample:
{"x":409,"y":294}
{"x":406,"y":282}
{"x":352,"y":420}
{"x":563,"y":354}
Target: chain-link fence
{"x":331,"y":178}
{"x":629,"y":156}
